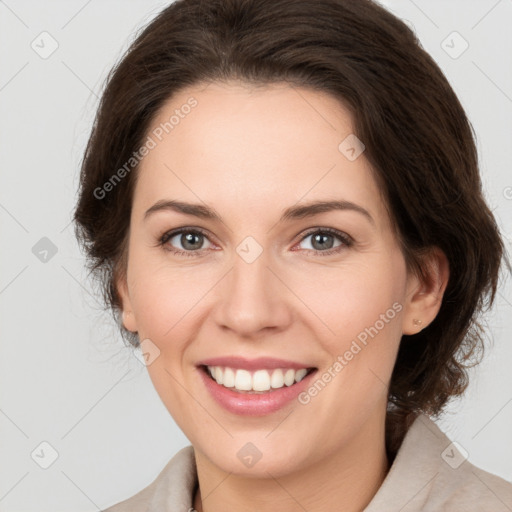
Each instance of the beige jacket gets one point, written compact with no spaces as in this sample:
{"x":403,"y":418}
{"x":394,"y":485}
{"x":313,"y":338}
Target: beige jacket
{"x":428,"y":474}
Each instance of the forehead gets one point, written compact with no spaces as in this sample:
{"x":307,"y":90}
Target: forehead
{"x":244,"y":146}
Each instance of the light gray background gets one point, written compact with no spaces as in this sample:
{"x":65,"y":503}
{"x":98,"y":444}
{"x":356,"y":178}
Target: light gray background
{"x":65,"y":377}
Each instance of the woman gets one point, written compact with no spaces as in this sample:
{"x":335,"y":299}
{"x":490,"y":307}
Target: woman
{"x":282,"y":200}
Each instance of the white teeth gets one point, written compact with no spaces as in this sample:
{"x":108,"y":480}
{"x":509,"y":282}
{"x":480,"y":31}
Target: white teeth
{"x":229,"y":378}
{"x":289,"y":377}
{"x":277,"y":380}
{"x":243,"y":380}
{"x":300,"y":374}
{"x":259,"y":381}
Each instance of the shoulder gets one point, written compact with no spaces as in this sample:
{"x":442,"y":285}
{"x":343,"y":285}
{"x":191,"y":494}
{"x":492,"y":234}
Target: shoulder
{"x":432,"y":473}
{"x":171,"y":490}
{"x":472,"y":489}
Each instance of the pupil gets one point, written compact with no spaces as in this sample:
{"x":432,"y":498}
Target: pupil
{"x":320,"y":237}
{"x":188,"y":238}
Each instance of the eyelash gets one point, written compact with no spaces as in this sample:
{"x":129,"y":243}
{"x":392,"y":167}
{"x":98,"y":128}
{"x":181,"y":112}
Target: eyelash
{"x":346,"y":240}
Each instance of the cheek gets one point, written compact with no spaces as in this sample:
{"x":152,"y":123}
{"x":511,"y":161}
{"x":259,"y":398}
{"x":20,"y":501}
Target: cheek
{"x":348,"y":299}
{"x":163,"y":297}
{"x":360,"y":309}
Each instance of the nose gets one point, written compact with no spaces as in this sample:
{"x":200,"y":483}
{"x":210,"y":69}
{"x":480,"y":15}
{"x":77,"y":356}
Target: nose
{"x":253,"y":299}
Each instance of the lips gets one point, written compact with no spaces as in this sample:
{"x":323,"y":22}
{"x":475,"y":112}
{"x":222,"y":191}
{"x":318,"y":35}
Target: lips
{"x":258,"y":381}
{"x":260,"y":363}
{"x":251,"y":401}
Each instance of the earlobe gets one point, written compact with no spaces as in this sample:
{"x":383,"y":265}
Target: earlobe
{"x":129,"y":321}
{"x":425,"y":296}
{"x":128,"y":317}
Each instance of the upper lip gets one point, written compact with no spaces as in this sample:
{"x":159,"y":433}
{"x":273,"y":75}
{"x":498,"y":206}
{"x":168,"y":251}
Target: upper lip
{"x":252,"y":364}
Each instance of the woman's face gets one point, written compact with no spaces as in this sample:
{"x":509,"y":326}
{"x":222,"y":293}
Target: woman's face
{"x":323,"y":288}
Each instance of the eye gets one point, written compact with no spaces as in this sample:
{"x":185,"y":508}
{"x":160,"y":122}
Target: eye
{"x":191,"y":241}
{"x":323,"y":241}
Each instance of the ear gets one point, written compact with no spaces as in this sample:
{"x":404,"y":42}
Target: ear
{"x":129,"y":321}
{"x":424,"y":296}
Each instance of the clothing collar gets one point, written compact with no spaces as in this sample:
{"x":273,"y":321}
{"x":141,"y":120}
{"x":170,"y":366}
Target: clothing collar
{"x":428,"y":468}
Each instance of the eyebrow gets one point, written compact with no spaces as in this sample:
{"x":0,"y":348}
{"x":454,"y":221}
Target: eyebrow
{"x":294,"y":212}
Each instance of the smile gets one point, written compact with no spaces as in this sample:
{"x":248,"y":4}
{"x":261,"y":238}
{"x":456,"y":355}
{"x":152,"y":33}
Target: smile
{"x":258,"y":381}
{"x":263,"y":391}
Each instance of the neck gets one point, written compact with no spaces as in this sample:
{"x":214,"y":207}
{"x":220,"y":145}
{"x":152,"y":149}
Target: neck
{"x":347,"y":479}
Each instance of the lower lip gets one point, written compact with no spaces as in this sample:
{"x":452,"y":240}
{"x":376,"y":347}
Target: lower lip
{"x":256,"y":404}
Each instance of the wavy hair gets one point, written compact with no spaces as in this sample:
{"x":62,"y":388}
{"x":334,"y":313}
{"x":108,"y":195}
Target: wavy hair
{"x":419,"y":142}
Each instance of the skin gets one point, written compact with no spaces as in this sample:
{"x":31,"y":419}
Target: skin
{"x":250,"y":153}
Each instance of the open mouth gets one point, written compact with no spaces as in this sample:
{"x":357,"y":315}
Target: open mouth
{"x":255,"y":382}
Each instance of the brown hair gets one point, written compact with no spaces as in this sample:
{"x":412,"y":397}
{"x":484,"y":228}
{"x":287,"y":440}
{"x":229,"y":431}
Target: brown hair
{"x":418,"y":141}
